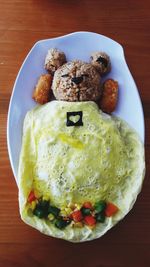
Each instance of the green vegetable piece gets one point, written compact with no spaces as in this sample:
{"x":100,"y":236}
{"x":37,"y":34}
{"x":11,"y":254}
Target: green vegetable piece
{"x":100,"y":206}
{"x":61,"y":224}
{"x":53,"y":210}
{"x":41,"y":209}
{"x":100,"y":217}
{"x":44,"y":203}
{"x":85,"y":211}
{"x":39,"y":212}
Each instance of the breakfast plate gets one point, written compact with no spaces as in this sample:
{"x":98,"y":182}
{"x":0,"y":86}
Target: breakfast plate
{"x":78,"y":45}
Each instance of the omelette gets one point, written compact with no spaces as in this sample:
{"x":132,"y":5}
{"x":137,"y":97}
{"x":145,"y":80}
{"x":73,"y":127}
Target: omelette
{"x":80,"y":170}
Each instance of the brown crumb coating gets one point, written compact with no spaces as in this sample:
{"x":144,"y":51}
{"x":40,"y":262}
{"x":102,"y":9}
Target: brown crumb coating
{"x":42,"y":90}
{"x":109,"y":98}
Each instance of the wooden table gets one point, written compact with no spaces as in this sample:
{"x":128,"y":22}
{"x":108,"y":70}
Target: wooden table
{"x":22,"y":23}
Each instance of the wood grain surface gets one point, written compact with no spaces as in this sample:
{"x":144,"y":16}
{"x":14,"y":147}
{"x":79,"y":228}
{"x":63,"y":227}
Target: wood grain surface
{"x":22,"y":23}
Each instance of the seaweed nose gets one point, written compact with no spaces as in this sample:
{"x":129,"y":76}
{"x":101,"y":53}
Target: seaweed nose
{"x":77,"y":80}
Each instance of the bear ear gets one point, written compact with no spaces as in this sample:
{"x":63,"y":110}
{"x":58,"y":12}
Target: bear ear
{"x":54,"y":59}
{"x":101,"y":61}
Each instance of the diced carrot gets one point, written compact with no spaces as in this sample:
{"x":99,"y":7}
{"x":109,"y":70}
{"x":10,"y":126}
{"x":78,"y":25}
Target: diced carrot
{"x":89,"y":220}
{"x":111,"y":209}
{"x":31,"y":197}
{"x":109,"y":98}
{"x":77,"y":216}
{"x":88,"y":205}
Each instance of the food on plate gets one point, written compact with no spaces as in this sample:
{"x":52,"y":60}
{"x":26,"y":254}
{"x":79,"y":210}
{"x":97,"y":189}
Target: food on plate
{"x":80,"y":169}
{"x":79,"y":81}
{"x":76,"y":182}
{"x":54,"y":59}
{"x":109,"y":97}
{"x":76,"y":81}
{"x":101,"y":61}
{"x":42,"y":91}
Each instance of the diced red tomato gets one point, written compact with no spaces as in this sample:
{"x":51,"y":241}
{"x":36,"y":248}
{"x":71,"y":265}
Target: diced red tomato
{"x":77,"y":216}
{"x":90,"y":220}
{"x":88,"y":205}
{"x":111,"y":209}
{"x":31,"y":197}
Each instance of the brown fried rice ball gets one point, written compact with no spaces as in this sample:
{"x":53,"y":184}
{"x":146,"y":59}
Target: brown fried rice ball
{"x":76,"y":81}
{"x":54,"y":59}
{"x":101,"y":61}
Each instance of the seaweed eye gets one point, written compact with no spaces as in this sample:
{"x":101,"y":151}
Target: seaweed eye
{"x":65,"y":75}
{"x":103,"y":61}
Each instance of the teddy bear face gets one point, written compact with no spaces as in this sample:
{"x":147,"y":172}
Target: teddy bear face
{"x":76,"y":81}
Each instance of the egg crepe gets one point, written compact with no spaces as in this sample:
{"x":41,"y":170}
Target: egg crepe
{"x":103,"y":159}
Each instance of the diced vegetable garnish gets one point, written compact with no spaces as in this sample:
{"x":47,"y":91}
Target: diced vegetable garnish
{"x":77,"y":213}
{"x":88,"y":205}
{"x":33,"y":204}
{"x":53,"y":210}
{"x":77,"y":216}
{"x":68,"y":211}
{"x":100,"y":217}
{"x":31,"y":197}
{"x":78,"y":225}
{"x":100,"y":206}
{"x":45,"y":197}
{"x":63,"y":213}
{"x":111,"y":209}
{"x":51,"y":217}
{"x":60,"y":223}
{"x":44,"y":204}
{"x":39,"y":212}
{"x":41,"y":209}
{"x":85,"y":211}
{"x":78,"y":206}
{"x":90,"y":220}
{"x":71,"y":206}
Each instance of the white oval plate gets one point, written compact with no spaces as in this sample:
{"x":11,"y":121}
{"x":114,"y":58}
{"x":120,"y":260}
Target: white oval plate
{"x":78,"y":45}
